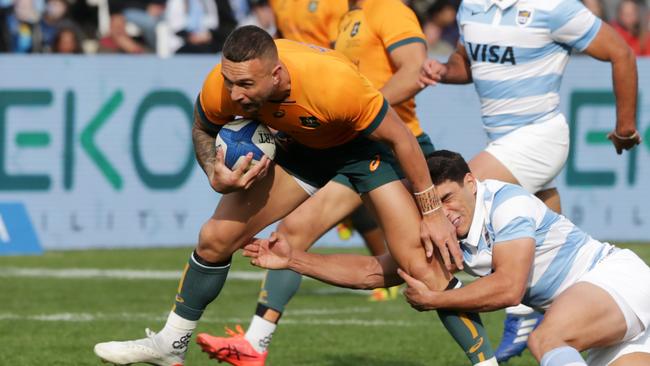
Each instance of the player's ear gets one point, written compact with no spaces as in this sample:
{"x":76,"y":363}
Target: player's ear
{"x":470,"y":182}
{"x":275,"y":74}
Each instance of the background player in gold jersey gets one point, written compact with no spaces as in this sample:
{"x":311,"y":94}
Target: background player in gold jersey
{"x":309,"y":21}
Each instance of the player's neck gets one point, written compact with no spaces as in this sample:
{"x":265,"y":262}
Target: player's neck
{"x":283,"y":89}
{"x":355,"y":4}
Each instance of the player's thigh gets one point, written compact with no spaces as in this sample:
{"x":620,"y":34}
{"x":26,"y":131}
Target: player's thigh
{"x":400,"y":220}
{"x":632,"y":359}
{"x":242,"y":214}
{"x":485,"y":166}
{"x":584,"y":316}
{"x":309,"y":221}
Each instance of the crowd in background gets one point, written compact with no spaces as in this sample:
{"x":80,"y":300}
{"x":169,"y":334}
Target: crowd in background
{"x":168,"y":27}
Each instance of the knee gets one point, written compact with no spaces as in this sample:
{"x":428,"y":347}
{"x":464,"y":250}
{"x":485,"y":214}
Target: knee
{"x":293,"y":229}
{"x":543,"y":340}
{"x":212,"y":246}
{"x":426,"y":273}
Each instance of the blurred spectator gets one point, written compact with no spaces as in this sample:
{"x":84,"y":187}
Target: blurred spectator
{"x":56,"y":12}
{"x":198,"y":26}
{"x":630,"y":24}
{"x":145,"y":14}
{"x":440,"y":27}
{"x":21,"y":23}
{"x":263,"y":16}
{"x":6,"y":7}
{"x":67,"y":39}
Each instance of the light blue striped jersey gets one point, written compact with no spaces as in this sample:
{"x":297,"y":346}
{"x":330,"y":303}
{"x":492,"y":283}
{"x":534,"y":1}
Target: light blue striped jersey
{"x":563,"y":252}
{"x":518,"y":52}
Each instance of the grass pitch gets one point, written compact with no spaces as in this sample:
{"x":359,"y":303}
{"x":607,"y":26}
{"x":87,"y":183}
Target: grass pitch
{"x":55,"y":307}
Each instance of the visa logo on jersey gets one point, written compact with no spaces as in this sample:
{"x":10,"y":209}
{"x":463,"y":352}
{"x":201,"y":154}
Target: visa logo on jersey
{"x":492,"y":53}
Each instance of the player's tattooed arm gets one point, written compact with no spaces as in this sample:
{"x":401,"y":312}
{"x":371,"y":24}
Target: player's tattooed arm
{"x":203,"y":141}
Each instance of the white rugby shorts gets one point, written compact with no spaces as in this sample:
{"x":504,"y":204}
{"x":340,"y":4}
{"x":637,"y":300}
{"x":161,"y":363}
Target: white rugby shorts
{"x":534,"y":154}
{"x":626,"y":277}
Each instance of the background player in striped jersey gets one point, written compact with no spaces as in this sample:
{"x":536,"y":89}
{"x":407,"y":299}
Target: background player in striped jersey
{"x":515,"y":52}
{"x":384,"y":40}
{"x":596,"y":296}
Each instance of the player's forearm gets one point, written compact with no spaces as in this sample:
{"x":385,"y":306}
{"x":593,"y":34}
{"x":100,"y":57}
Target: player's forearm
{"x":488,"y":293}
{"x":458,"y":70}
{"x":343,"y":270}
{"x":410,"y":157}
{"x":403,"y":85}
{"x":625,"y":78}
{"x":204,"y":148}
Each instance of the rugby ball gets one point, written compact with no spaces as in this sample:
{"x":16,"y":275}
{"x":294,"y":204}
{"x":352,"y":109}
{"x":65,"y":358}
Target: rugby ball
{"x":243,"y":136}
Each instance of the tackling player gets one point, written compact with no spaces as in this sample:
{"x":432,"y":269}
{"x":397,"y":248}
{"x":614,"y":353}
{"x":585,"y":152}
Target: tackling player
{"x":515,"y":52}
{"x":596,"y":296}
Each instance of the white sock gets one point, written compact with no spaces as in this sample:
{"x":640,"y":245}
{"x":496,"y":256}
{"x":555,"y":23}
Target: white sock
{"x":176,"y":334}
{"x":490,"y":362}
{"x":519,"y":310}
{"x":259,"y":333}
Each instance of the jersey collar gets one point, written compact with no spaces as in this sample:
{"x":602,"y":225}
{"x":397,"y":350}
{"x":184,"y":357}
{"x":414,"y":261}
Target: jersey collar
{"x":502,"y":4}
{"x":476,"y":228}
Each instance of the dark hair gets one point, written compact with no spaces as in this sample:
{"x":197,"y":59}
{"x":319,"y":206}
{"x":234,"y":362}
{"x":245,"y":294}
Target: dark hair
{"x":70,"y":27}
{"x":447,"y":165}
{"x":248,"y":43}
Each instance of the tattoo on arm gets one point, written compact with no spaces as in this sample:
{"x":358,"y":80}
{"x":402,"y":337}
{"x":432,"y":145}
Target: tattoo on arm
{"x":204,"y":148}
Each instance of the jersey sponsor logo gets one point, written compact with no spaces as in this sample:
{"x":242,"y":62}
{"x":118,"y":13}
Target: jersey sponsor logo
{"x":310,"y":122}
{"x":374,"y":164}
{"x":524,"y":17}
{"x":355,"y":29}
{"x":492,"y":53}
{"x":312,"y":6}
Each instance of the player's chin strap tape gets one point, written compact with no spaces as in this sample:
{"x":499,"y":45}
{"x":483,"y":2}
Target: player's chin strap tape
{"x":207,"y":126}
{"x":454,"y":283}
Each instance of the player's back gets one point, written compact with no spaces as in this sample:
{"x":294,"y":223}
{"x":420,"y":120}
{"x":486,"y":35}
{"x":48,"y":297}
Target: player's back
{"x":309,"y":21}
{"x":368,"y":35}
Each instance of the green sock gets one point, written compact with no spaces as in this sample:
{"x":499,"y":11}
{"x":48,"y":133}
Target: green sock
{"x":200,"y":285}
{"x":278,"y":288}
{"x":468,"y":331}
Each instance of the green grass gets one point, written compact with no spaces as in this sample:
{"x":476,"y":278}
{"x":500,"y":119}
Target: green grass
{"x":323,"y":326}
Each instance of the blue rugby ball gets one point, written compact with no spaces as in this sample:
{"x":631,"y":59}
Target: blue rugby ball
{"x":243,"y":136}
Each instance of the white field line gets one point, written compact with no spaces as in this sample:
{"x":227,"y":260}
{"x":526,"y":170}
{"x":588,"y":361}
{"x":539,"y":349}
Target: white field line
{"x":159,"y":319}
{"x":119,"y":274}
{"x":134,"y":274}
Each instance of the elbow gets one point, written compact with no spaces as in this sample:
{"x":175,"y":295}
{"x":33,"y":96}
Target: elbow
{"x":624,"y":55}
{"x":373,"y":277}
{"x":512,"y":295}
